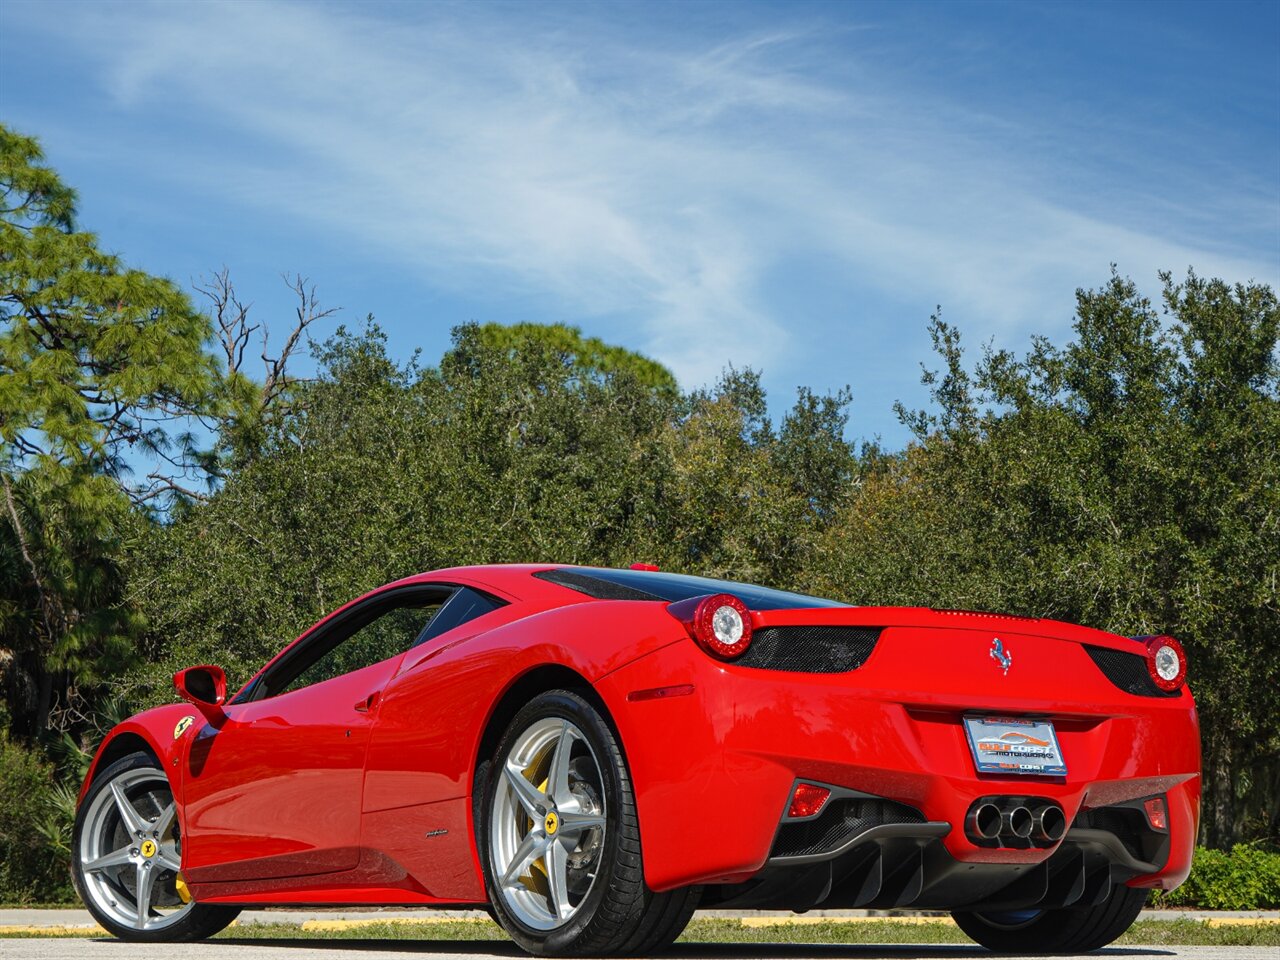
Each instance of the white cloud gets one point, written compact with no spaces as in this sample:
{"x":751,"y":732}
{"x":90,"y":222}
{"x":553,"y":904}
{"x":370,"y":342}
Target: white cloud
{"x":652,"y":183}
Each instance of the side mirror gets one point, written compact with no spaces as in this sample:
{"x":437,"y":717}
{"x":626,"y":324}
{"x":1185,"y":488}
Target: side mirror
{"x":205,"y":686}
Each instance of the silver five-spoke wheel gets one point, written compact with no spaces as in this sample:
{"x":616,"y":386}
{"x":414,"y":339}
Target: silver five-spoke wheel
{"x":560,"y":837}
{"x":127,"y":856}
{"x":547,"y":824}
{"x":128,"y":852}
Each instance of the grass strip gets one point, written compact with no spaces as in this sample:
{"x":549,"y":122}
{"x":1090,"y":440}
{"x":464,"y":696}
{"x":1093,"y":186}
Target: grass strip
{"x":816,"y":930}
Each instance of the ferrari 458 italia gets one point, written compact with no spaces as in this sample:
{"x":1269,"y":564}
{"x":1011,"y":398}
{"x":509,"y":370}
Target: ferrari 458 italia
{"x":591,"y":754}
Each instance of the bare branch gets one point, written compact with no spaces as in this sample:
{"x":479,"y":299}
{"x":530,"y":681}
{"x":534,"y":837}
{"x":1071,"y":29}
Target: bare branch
{"x":161,"y":485}
{"x":27,"y":448}
{"x":231,"y":316}
{"x":308,"y":311}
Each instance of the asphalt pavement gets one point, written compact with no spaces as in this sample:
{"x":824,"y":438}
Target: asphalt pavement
{"x":56,"y":949}
{"x":47,"y":947}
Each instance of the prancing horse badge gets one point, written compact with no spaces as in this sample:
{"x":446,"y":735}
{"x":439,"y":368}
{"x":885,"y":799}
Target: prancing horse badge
{"x":1000,"y":655}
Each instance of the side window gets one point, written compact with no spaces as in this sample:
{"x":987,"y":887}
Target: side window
{"x":392,"y":633}
{"x":382,"y":629}
{"x":466,"y":604}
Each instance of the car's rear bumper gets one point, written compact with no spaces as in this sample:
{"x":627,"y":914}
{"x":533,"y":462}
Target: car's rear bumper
{"x":714,"y":769}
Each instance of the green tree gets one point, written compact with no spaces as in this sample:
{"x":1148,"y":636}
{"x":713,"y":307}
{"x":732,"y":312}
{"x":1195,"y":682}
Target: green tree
{"x":587,"y":357}
{"x":380,"y":469}
{"x":34,"y":858}
{"x":533,"y":453}
{"x":1130,"y":481}
{"x":98,"y":364}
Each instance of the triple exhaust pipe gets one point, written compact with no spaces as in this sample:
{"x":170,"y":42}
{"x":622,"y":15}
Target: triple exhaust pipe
{"x":1015,"y":822}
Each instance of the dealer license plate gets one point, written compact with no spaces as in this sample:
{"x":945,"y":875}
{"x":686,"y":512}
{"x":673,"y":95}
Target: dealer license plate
{"x":1010,"y":745}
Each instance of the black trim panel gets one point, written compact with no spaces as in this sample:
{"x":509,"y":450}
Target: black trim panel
{"x":1128,"y":671}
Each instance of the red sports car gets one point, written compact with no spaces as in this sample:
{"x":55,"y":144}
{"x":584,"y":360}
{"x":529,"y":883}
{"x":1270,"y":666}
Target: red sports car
{"x":592,"y":753}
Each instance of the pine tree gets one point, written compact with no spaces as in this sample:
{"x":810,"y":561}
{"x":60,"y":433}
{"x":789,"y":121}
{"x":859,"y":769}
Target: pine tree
{"x":101,"y":368}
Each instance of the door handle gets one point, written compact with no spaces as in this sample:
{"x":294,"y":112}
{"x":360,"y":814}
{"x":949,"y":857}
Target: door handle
{"x":368,"y":703}
{"x":266,"y":722}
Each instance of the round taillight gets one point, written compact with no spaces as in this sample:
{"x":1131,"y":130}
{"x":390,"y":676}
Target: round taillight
{"x":1167,"y":662}
{"x":720,"y":623}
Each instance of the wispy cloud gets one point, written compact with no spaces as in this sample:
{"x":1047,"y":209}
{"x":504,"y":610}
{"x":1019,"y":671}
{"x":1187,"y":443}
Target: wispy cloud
{"x":641,"y":182}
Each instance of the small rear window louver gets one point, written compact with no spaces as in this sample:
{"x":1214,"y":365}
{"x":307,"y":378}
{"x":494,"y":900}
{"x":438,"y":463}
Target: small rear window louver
{"x":593,"y":587}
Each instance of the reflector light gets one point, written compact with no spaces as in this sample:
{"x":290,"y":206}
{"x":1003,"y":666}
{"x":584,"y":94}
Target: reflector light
{"x":1157,"y":815}
{"x":1166,"y":662}
{"x":807,"y":801}
{"x":661,"y":693}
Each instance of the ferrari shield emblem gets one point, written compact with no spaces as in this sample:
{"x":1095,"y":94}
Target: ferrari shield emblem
{"x":183,"y":725}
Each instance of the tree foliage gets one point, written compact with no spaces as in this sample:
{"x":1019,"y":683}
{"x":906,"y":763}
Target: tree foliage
{"x":33,"y":862}
{"x":95,"y":359}
{"x":383,"y":470}
{"x":97,"y":362}
{"x":1126,"y":480}
{"x":1129,"y":480}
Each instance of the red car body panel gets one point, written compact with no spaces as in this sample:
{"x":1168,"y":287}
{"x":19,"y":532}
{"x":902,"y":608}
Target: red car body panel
{"x":308,"y":798}
{"x":758,"y":734}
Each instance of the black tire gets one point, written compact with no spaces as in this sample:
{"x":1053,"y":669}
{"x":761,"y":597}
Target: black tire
{"x":663,"y":921}
{"x":106,"y":893}
{"x":1067,"y":930}
{"x":618,"y":914}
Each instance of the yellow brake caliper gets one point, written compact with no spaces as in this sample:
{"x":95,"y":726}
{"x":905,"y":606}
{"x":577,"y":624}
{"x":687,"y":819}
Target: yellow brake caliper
{"x":536,"y":879}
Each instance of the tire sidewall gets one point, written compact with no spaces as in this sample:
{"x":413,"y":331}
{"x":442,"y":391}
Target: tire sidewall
{"x":199,"y":921}
{"x":101,"y":781}
{"x":569,"y":706}
{"x":1066,"y":930}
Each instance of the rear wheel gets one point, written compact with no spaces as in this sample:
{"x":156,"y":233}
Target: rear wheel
{"x":127,"y":858}
{"x":1066,"y":930}
{"x":561,"y":842}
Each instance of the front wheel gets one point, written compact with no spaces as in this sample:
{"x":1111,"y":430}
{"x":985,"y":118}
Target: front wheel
{"x":561,"y":842}
{"x":1066,"y":930}
{"x":126,"y":858}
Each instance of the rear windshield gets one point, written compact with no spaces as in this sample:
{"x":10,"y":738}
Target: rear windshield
{"x":604,"y":583}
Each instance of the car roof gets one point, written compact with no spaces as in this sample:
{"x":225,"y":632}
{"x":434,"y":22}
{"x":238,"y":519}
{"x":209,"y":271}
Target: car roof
{"x":538,"y":582}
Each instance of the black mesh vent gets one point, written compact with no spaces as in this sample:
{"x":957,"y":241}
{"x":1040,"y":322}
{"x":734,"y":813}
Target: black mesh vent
{"x":810,"y":649}
{"x":1128,"y":671}
{"x":593,"y":586}
{"x":1126,"y":824}
{"x":840,"y":822}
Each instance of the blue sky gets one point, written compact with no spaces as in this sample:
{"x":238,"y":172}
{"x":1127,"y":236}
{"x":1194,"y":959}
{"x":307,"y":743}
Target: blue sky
{"x":788,"y":186}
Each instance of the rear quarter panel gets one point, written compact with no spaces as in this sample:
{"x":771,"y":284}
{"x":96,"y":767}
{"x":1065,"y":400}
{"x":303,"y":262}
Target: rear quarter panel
{"x":434,"y":713}
{"x":432,"y":718}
